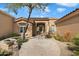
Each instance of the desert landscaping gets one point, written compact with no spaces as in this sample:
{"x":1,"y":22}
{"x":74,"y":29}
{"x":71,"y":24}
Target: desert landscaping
{"x":39,"y":36}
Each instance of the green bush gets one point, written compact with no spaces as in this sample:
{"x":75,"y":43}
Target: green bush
{"x":58,"y":37}
{"x":13,"y":34}
{"x":76,"y":40}
{"x":73,"y":48}
{"x":76,"y":53}
{"x":66,"y":37}
{"x":3,"y":37}
{"x":20,"y":41}
{"x":9,"y":35}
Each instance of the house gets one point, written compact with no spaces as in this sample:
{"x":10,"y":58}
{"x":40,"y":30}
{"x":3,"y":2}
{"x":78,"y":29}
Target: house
{"x":68,"y":23}
{"x":9,"y":24}
{"x":36,"y":25}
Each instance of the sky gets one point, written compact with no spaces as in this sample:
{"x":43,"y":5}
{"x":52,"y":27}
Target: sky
{"x":53,"y":10}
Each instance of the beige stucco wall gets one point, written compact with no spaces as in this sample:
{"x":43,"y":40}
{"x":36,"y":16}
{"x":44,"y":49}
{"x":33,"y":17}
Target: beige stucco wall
{"x":51,"y":22}
{"x":70,"y":25}
{"x":16,"y":28}
{"x":6,"y":24}
{"x":32,"y":29}
{"x":52,"y":26}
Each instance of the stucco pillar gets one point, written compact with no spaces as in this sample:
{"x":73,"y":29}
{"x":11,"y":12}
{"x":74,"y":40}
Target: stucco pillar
{"x":46,"y":27}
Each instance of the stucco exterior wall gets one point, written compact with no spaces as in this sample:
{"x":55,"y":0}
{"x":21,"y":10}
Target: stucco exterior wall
{"x":70,"y":25}
{"x":32,"y":28}
{"x":16,"y":28}
{"x":52,"y":26}
{"x":29,"y":30}
{"x":51,"y":22}
{"x":6,"y":24}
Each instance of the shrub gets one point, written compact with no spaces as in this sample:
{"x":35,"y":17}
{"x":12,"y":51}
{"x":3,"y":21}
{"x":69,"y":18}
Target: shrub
{"x":76,"y":53}
{"x":65,"y":37}
{"x":3,"y":37}
{"x":73,"y":47}
{"x":13,"y":34}
{"x":76,"y":40}
{"x":9,"y":35}
{"x":58,"y":37}
{"x":20,"y":41}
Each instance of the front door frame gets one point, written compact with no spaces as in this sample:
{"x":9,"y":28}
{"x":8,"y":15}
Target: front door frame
{"x":40,"y":28}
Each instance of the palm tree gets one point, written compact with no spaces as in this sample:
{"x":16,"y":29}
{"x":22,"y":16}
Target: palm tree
{"x":30,"y":6}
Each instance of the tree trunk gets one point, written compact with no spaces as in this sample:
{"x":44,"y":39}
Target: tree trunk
{"x":27,"y":23}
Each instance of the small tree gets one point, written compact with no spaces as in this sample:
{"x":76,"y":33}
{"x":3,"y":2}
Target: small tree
{"x":30,"y":6}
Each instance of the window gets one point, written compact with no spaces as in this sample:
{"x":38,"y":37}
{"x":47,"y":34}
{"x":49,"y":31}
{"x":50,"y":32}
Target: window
{"x":21,"y":29}
{"x":53,"y":28}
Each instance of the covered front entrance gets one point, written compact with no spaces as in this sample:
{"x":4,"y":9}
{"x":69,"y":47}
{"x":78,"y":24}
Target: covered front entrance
{"x":40,"y":28}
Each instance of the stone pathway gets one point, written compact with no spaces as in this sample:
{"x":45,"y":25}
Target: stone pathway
{"x":39,"y":46}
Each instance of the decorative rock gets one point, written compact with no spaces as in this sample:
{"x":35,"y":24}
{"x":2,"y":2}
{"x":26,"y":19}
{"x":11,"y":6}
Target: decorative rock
{"x":10,"y":45}
{"x":3,"y":45}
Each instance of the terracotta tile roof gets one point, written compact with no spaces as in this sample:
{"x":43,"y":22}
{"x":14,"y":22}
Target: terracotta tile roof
{"x":34,"y":19}
{"x":69,"y":15}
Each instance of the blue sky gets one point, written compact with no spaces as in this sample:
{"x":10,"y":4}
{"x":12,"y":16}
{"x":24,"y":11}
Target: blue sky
{"x":53,"y":10}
